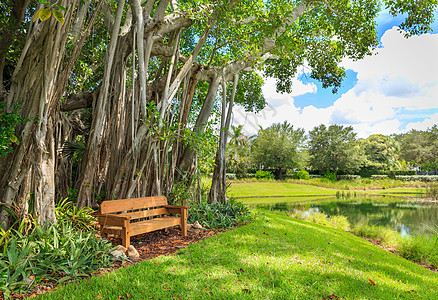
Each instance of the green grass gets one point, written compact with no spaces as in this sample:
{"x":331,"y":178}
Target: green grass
{"x":275,"y":257}
{"x":275,"y":200}
{"x":305,"y":188}
{"x":273,"y":188}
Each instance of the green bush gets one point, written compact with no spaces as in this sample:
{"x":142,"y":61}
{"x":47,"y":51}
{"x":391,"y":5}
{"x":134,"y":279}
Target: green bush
{"x":8,"y":122}
{"x":379,"y":177}
{"x":301,"y":174}
{"x":348,"y":177}
{"x":260,"y":174}
{"x":330,"y":176}
{"x":219,"y":215}
{"x":424,"y":178}
{"x":80,"y":218}
{"x":55,"y":252}
{"x":420,"y":248}
{"x":315,"y":176}
{"x":231,"y":176}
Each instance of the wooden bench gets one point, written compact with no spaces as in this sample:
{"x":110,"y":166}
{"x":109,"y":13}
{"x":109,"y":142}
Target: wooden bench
{"x":129,"y":217}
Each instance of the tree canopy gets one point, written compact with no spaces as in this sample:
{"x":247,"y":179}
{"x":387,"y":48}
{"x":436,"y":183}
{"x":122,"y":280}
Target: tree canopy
{"x":278,"y":147}
{"x":334,"y":149}
{"x":137,"y":82}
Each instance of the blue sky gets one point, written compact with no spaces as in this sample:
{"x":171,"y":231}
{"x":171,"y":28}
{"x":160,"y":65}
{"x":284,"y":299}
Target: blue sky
{"x":393,"y":91}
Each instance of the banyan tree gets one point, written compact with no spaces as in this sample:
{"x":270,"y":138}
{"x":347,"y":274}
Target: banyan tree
{"x":128,"y":87}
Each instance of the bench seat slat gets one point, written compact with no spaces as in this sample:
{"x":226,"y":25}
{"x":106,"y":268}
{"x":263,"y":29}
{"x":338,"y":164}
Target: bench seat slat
{"x":111,"y":206}
{"x":153,"y":224}
{"x":145,"y":213}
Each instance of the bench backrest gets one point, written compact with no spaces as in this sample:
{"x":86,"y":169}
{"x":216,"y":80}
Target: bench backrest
{"x":139,"y":205}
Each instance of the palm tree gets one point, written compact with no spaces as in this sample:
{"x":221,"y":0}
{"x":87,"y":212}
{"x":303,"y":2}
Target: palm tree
{"x":237,"y":138}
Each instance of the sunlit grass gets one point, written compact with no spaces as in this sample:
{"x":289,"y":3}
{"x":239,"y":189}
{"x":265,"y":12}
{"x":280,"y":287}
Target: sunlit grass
{"x":275,"y":257}
{"x":306,"y":188}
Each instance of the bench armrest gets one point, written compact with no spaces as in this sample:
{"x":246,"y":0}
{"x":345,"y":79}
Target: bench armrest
{"x":115,"y":220}
{"x":176,"y":209}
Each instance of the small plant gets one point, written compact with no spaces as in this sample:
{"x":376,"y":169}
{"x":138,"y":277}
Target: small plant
{"x":432,"y":191}
{"x":349,"y":177}
{"x":301,"y":174}
{"x":58,"y":252}
{"x":219,"y":215}
{"x":8,"y":122}
{"x":80,"y":218}
{"x":260,"y":174}
{"x":330,"y":176}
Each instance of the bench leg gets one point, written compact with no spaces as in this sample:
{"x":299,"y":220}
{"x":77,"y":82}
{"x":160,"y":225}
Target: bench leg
{"x":184,"y":222}
{"x":166,"y":230}
{"x":126,"y":239}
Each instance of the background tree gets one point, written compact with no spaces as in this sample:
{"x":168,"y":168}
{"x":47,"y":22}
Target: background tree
{"x":381,"y":152}
{"x":334,"y":149}
{"x":278,"y":147}
{"x":237,"y":139}
{"x":420,"y":147}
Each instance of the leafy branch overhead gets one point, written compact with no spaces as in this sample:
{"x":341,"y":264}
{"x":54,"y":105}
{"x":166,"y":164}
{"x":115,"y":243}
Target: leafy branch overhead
{"x":190,"y":60}
{"x":48,"y":10}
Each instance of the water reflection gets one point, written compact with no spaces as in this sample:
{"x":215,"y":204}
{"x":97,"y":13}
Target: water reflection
{"x":405,"y":216}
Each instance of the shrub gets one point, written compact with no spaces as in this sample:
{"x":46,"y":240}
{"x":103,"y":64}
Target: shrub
{"x":315,"y":176}
{"x":301,"y":174}
{"x":81,"y":219}
{"x":260,"y":174}
{"x":231,"y":176}
{"x":54,"y":252}
{"x":379,"y":177}
{"x":424,"y":178}
{"x":330,"y":176}
{"x":339,"y":222}
{"x":348,"y":177}
{"x":219,"y":215}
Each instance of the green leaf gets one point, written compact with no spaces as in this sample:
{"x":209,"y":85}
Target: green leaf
{"x":61,"y":7}
{"x":58,"y":16}
{"x":36,"y":15}
{"x":44,"y":2}
{"x":14,"y":139}
{"x":44,"y":14}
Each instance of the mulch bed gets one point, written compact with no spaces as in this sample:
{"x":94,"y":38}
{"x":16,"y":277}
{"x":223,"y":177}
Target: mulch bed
{"x":153,"y":244}
{"x":149,"y":245}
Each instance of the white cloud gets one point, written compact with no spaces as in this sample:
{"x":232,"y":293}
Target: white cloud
{"x":423,"y":125}
{"x":402,"y":76}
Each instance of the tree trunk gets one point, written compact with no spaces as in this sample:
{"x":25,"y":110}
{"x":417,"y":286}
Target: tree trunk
{"x":218,"y":190}
{"x":30,"y":168}
{"x":187,"y":162}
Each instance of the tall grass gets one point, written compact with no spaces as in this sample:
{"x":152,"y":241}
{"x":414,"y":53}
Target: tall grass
{"x":432,"y":191}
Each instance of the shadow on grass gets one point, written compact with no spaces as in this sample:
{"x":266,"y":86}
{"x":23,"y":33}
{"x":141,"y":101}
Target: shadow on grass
{"x":275,"y":258}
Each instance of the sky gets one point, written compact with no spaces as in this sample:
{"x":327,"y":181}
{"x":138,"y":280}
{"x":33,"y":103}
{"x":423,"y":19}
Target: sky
{"x":393,"y":91}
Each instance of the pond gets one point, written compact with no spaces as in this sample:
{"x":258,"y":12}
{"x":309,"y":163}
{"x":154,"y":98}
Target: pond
{"x":405,"y":216}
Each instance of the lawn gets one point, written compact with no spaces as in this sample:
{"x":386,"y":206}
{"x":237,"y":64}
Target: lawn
{"x":276,"y":188}
{"x":275,"y":257}
{"x":273,"y":188}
